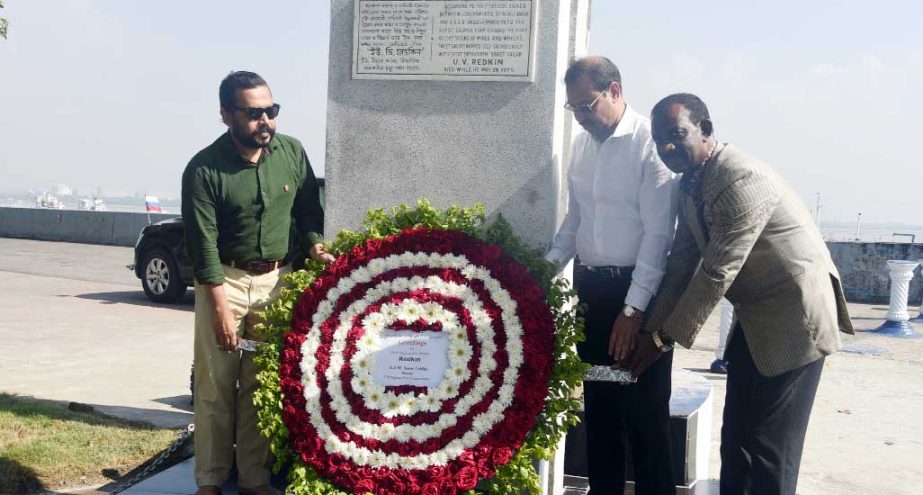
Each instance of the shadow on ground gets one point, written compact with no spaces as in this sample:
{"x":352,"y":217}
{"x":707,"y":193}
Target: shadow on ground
{"x":16,"y":478}
{"x":138,"y":298}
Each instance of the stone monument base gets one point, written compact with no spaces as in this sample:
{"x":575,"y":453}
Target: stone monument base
{"x":690,"y":428}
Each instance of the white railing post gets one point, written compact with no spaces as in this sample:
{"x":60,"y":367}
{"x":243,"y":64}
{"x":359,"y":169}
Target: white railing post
{"x":898,"y":319}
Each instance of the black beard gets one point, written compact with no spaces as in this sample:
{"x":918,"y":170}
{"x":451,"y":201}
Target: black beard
{"x":248,"y":140}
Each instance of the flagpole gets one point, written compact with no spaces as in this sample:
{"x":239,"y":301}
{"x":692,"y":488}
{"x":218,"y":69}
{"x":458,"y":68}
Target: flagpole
{"x":148,"y":210}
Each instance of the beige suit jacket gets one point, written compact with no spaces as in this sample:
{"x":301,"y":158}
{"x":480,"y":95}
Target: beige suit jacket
{"x":750,"y":239}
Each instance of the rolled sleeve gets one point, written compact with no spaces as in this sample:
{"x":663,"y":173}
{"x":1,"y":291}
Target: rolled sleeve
{"x":307,"y":210}
{"x":201,"y":229}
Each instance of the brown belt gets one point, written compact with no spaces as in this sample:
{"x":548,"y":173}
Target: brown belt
{"x":256,"y":267}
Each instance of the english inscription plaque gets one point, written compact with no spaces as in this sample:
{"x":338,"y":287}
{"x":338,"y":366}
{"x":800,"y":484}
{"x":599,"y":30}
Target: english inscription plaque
{"x":456,"y":40}
{"x":411,"y":358}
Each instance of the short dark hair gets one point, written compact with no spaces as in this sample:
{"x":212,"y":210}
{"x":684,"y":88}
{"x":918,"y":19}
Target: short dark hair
{"x":234,"y":81}
{"x":600,"y":70}
{"x":697,"y":109}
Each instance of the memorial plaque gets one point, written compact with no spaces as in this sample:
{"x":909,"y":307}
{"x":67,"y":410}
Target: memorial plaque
{"x":456,"y":40}
{"x":411,"y":358}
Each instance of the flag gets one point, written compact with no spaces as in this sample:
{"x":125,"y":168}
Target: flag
{"x":152,"y":203}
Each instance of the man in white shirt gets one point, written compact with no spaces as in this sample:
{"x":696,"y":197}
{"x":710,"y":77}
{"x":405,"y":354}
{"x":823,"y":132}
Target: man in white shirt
{"x":619,"y":225}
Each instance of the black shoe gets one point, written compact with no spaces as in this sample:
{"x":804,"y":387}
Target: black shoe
{"x":719,"y":366}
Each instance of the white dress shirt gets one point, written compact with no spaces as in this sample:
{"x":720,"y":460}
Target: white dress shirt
{"x":621,"y":207}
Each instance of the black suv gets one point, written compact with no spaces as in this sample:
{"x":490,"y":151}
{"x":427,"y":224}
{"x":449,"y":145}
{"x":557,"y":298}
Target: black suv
{"x":161,"y":261}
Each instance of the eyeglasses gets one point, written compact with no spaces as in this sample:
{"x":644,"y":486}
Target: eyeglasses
{"x":255,"y":114}
{"x":586,"y":107}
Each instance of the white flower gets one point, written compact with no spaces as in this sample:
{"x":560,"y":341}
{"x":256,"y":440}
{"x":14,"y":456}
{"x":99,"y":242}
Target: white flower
{"x":374,"y":322}
{"x":481,"y":424}
{"x":409,"y":311}
{"x":506,"y":394}
{"x":446,"y":421}
{"x":385,"y":431}
{"x":361,"y":274}
{"x":482,"y":385}
{"x":407,"y":407}
{"x":402,"y":433}
{"x":470,"y":439}
{"x":377,"y":458}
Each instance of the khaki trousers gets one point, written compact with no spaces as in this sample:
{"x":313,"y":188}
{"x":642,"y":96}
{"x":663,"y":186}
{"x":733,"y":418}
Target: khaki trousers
{"x":225,"y":383}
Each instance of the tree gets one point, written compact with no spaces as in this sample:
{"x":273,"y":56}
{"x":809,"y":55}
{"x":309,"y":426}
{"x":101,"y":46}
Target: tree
{"x":3,"y":23}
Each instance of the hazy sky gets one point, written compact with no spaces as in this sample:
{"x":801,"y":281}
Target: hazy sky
{"x":119,"y":94}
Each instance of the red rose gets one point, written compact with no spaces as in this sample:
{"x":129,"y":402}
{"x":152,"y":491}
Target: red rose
{"x":364,"y":486}
{"x":467,"y":478}
{"x":429,"y":489}
{"x":501,"y":456}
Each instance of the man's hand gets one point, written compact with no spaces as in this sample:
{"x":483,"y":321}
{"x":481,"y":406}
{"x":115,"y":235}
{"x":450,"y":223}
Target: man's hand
{"x":225,"y":325}
{"x":622,"y":336}
{"x":225,"y":330}
{"x":319,"y":253}
{"x":643,"y":356}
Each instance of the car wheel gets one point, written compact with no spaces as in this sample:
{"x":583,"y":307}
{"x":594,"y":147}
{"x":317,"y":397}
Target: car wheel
{"x":160,"y":277}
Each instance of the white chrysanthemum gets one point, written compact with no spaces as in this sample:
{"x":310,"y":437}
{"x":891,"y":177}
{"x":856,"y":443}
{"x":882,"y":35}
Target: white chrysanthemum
{"x":407,"y":407}
{"x":422,"y":433}
{"x":361,"y":274}
{"x":402,"y":433}
{"x":409,"y":311}
{"x":373,"y":400}
{"x":323,"y":311}
{"x":470,"y":439}
{"x":432,"y":403}
{"x":377,"y":458}
{"x":447,"y":421}
{"x":346,"y":284}
{"x":376,"y":265}
{"x":481,"y":319}
{"x":385,"y":432}
{"x":374,"y":322}
{"x":482,"y":385}
{"x":481,"y":424}
{"x":505,"y":394}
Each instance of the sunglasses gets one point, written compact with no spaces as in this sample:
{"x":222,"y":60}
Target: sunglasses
{"x":255,"y":114}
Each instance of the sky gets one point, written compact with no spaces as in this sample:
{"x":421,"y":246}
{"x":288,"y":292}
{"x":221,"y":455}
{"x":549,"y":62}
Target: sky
{"x":119,"y":94}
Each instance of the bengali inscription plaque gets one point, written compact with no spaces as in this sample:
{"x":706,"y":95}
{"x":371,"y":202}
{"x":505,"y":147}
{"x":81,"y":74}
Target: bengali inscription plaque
{"x":458,"y":40}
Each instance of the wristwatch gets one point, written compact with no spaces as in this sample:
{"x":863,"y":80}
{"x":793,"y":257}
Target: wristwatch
{"x":632,"y":312}
{"x":661,"y":342}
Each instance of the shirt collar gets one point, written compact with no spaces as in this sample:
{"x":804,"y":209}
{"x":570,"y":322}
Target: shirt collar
{"x":230,"y":150}
{"x":627,"y":123}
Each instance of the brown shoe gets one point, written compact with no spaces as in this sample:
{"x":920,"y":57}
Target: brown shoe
{"x":208,"y":490}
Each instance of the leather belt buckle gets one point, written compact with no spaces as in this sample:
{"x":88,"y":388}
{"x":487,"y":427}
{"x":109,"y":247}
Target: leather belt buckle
{"x":256,"y":267}
{"x":611,"y":271}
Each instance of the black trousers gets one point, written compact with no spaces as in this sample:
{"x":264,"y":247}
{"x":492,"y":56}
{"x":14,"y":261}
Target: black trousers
{"x":619,"y":417}
{"x":765,"y":419}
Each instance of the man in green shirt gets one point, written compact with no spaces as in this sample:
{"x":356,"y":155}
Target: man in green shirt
{"x":241,"y":195}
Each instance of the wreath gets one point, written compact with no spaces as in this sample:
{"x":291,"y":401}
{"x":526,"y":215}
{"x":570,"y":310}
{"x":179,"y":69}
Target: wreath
{"x":420,"y":279}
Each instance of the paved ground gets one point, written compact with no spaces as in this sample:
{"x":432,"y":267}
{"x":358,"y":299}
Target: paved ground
{"x":75,"y":326}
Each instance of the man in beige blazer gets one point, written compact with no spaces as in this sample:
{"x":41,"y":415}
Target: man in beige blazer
{"x":743,"y":234}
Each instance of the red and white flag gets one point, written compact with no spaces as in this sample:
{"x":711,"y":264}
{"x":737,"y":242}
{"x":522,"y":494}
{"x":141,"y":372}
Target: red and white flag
{"x":152,"y":204}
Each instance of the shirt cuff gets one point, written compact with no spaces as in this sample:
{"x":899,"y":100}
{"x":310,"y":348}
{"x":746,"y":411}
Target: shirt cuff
{"x":210,"y":275}
{"x":638,"y":297}
{"x":555,"y":255}
{"x":309,"y":240}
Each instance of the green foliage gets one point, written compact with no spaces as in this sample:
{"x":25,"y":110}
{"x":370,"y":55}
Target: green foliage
{"x":4,"y":24}
{"x":561,"y":407}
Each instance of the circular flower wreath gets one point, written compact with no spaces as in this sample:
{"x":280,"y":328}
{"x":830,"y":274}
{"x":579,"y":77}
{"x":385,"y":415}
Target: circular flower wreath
{"x":344,"y":428}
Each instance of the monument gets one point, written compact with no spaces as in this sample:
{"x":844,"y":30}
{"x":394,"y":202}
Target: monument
{"x":457,"y":101}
